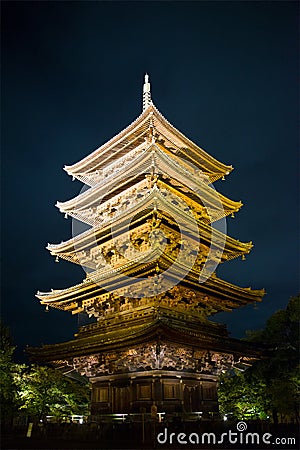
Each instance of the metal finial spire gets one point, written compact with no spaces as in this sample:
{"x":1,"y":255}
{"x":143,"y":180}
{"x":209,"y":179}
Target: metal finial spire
{"x":146,"y":93}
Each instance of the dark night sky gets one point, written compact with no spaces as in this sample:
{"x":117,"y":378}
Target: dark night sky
{"x":224,"y":73}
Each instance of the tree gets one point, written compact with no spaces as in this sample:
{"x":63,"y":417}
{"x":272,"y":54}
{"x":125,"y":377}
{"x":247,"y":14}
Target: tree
{"x":280,"y":371}
{"x":241,"y":396}
{"x":8,"y":371}
{"x":45,"y":391}
{"x":274,"y":379}
{"x":36,"y":390}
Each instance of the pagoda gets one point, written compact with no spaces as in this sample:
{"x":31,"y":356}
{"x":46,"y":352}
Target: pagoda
{"x":156,"y":234}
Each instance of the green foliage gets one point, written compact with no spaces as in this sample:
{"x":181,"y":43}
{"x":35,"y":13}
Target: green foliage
{"x":36,"y":390}
{"x":271,"y":385}
{"x":8,"y":370}
{"x":45,"y":391}
{"x":280,"y":371}
{"x":242,"y":396}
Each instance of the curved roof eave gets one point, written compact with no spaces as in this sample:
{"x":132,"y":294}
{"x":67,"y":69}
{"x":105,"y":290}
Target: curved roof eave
{"x":84,"y":164}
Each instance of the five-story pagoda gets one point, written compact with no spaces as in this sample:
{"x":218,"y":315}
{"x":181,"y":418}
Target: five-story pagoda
{"x":157,"y":231}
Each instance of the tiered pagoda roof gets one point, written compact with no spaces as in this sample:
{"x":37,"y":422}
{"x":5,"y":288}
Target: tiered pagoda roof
{"x":93,"y":167}
{"x":154,"y":178}
{"x":156,"y":234}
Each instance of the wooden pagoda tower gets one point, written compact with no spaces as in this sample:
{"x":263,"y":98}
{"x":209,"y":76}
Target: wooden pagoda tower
{"x":150,"y":255}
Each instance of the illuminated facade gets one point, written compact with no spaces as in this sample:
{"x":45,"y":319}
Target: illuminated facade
{"x":150,"y":255}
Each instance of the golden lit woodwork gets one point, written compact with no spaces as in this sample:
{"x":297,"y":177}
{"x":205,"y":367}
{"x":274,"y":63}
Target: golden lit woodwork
{"x":151,"y":255}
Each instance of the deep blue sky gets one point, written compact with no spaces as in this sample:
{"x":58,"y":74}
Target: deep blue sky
{"x":224,"y":73}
